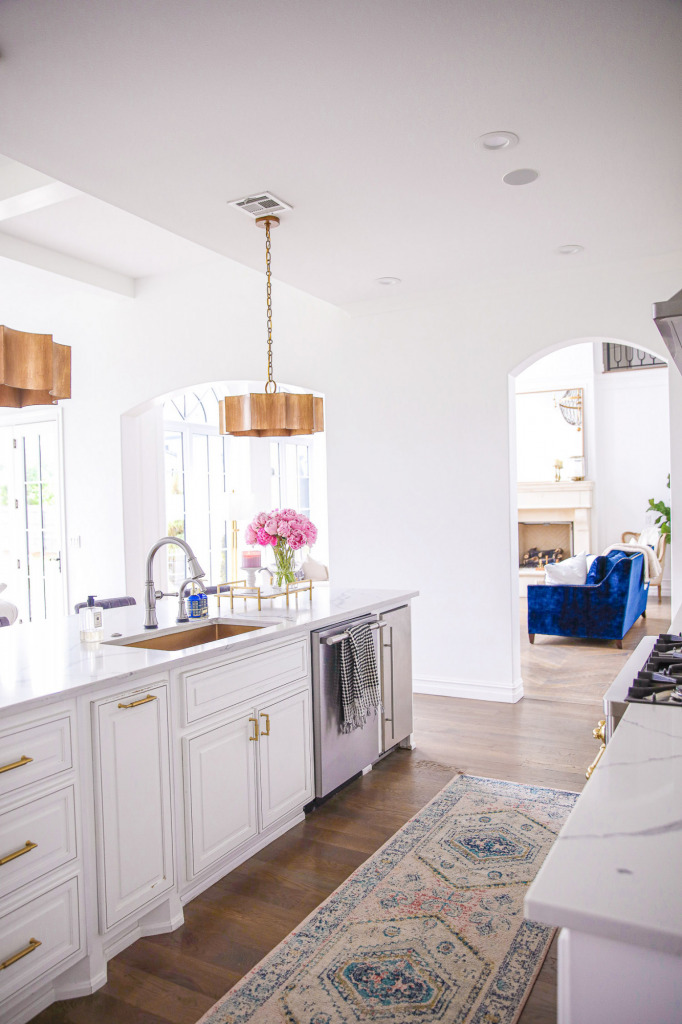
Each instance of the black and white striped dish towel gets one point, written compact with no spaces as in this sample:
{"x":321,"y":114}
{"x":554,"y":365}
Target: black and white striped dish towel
{"x":360,"y":690}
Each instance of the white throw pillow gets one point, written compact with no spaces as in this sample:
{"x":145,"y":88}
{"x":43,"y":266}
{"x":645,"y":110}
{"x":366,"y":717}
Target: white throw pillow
{"x":571,"y":570}
{"x":7,"y":610}
{"x":648,"y":537}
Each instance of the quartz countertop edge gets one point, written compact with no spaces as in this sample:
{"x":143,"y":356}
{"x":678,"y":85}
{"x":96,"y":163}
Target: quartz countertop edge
{"x":614,"y":868}
{"x":46,"y":661}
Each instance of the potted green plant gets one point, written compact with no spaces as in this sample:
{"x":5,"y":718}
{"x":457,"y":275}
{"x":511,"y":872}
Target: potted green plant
{"x":663,"y":518}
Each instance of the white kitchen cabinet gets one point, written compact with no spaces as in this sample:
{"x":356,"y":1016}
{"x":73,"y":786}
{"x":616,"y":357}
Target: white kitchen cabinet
{"x":92,"y":783}
{"x":41,"y":889}
{"x":38,"y":936}
{"x":285,"y":761}
{"x":209,"y":689}
{"x":36,"y":837}
{"x":220,"y":785}
{"x":245,"y":775}
{"x":133,"y":801}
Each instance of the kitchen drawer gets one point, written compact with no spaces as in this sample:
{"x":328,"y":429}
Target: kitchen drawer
{"x":51,"y":920}
{"x":36,"y":838}
{"x":33,"y":753}
{"x":239,"y":680}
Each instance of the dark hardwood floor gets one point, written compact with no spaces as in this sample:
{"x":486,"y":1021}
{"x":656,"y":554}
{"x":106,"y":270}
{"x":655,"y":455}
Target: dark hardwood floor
{"x":545,"y":739}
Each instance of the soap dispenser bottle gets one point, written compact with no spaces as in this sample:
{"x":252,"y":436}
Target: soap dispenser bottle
{"x":91,"y":621}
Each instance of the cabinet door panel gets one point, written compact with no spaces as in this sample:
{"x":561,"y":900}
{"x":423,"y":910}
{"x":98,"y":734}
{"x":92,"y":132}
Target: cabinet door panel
{"x":241,"y":680}
{"x":285,"y":756}
{"x":33,"y":753}
{"x":47,"y":930}
{"x":38,"y":836}
{"x":134,"y":797}
{"x":220,"y":770}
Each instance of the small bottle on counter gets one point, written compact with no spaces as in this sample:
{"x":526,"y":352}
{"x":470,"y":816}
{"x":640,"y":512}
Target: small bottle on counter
{"x":90,"y":617}
{"x":197,"y":606}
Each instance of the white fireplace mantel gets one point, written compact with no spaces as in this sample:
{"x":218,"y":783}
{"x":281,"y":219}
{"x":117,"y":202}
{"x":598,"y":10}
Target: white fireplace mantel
{"x":565,"y":494}
{"x":568,"y":501}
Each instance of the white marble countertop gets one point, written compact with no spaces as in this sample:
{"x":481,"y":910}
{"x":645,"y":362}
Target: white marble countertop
{"x":44,"y":661}
{"x":614,"y":870}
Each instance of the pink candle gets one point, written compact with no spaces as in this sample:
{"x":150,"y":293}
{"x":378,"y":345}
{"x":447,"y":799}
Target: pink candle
{"x":251,"y":559}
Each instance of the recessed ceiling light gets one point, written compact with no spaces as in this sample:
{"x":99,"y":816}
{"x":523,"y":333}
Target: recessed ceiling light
{"x":498,"y":140}
{"x":570,"y":250}
{"x":388,"y":281}
{"x":523,"y":176}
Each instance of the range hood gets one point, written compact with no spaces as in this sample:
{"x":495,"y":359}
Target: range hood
{"x":668,"y":319}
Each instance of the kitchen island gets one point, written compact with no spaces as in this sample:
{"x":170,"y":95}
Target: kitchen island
{"x":131,"y":779}
{"x":612,"y":879}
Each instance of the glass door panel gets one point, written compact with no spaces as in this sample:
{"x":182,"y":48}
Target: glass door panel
{"x":39,"y":465}
{"x":31,"y":519}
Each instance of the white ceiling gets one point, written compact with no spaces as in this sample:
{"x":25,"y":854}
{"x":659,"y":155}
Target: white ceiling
{"x":364,"y":115}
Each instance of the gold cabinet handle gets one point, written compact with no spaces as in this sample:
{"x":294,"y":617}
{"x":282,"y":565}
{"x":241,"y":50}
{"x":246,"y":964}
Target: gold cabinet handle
{"x":19,"y":853}
{"x":32,"y":944}
{"x":255,"y":728}
{"x":136,"y":703}
{"x":266,"y":716}
{"x":16,"y":764}
{"x":599,"y":733}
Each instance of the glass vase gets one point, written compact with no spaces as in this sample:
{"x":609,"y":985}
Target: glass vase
{"x":284,"y":563}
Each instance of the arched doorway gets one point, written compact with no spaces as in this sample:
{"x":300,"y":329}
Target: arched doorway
{"x":622,"y":443}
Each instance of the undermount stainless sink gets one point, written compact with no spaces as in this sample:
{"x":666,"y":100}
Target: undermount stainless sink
{"x":183,"y":636}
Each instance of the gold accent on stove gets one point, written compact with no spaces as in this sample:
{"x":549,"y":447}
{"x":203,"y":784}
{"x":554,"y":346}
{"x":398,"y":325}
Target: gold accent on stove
{"x":599,"y":733}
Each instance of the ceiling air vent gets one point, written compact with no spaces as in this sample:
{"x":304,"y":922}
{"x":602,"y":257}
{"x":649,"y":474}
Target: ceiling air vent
{"x":260,"y":204}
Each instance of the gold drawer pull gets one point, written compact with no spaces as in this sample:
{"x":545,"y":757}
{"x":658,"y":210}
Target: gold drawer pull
{"x":17,"y":764}
{"x":136,"y":703}
{"x":19,"y":853}
{"x":599,"y":734}
{"x":255,"y":727}
{"x":266,"y":716}
{"x":32,"y":944}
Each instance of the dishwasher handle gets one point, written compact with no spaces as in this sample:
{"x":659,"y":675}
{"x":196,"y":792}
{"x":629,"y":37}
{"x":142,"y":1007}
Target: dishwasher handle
{"x":338,"y":637}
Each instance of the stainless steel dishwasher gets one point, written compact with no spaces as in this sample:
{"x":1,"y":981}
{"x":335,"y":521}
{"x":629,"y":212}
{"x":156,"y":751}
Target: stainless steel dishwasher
{"x":338,"y":755}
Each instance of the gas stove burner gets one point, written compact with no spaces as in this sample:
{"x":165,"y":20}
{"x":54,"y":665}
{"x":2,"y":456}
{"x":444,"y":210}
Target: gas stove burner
{"x":660,"y":680}
{"x":668,"y":643}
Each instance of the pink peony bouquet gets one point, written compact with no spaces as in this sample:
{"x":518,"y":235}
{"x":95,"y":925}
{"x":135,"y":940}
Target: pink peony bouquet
{"x":285,"y":530}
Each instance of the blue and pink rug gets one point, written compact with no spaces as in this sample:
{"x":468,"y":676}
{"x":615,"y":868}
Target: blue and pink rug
{"x":430,"y":928}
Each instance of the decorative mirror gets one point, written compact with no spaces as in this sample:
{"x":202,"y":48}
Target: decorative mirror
{"x":550,"y":435}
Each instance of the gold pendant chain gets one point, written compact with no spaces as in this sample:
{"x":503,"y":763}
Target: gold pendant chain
{"x":269,"y":390}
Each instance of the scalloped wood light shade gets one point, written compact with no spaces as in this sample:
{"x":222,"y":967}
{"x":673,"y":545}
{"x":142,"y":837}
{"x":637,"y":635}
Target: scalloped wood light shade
{"x":276,"y":415}
{"x":34,"y":370}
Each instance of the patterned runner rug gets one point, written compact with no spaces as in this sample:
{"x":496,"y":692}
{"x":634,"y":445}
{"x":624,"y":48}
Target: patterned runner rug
{"x":430,"y":928}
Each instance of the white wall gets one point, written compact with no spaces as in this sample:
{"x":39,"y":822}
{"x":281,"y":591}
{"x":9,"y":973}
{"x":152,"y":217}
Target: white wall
{"x":428,"y":425}
{"x":633,"y":429}
{"x":417,"y":412}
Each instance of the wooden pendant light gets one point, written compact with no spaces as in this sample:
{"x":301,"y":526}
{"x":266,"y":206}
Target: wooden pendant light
{"x":274,"y":413}
{"x":34,"y":370}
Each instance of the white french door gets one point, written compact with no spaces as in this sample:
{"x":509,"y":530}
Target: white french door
{"x":31,"y":519}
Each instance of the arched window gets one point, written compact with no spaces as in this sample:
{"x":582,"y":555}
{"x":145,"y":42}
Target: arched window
{"x":196,"y":483}
{"x":213,"y":480}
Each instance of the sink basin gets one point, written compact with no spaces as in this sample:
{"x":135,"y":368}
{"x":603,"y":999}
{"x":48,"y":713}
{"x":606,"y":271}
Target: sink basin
{"x":182,"y":636}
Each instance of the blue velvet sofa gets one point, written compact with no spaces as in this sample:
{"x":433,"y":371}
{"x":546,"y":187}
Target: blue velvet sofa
{"x":605,"y":607}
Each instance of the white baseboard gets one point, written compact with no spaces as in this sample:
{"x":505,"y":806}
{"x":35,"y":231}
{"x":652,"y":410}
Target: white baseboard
{"x":474,"y":690}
